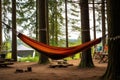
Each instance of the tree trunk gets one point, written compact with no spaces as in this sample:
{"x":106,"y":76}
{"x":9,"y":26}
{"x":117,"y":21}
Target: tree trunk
{"x":0,"y":25}
{"x":37,"y":20}
{"x":86,"y":59}
{"x":54,"y":24}
{"x":43,"y":27}
{"x":94,"y":20}
{"x":113,"y":69}
{"x":103,"y":22}
{"x":14,"y":39}
{"x":66,"y":23}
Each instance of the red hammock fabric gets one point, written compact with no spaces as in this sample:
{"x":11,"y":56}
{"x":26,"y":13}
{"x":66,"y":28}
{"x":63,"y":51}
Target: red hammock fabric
{"x":56,"y":52}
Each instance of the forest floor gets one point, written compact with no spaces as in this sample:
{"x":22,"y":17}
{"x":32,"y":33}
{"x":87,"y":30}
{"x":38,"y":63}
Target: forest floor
{"x":44,"y":72}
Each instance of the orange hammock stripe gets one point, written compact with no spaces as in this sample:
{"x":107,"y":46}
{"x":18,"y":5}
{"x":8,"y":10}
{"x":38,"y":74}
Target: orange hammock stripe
{"x":56,"y":52}
{"x":21,"y":36}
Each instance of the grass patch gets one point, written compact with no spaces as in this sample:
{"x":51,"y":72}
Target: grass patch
{"x":29,"y":59}
{"x":76,"y":56}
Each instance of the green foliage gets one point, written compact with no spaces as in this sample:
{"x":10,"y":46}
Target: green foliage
{"x":74,"y":16}
{"x":8,"y":55}
{"x":24,"y":59}
{"x":76,"y":56}
{"x":55,"y":20}
{"x":6,"y":9}
{"x":29,"y":59}
{"x":26,"y":16}
{"x":6,"y":46}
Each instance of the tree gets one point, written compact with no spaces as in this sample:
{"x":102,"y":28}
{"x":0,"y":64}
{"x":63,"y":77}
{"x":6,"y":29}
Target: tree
{"x":43,"y":24}
{"x":0,"y":25}
{"x":86,"y":59}
{"x":113,"y":68}
{"x":23,"y":19}
{"x":14,"y":39}
{"x":26,"y":16}
{"x":66,"y":23}
{"x":74,"y":16}
{"x":55,"y":21}
{"x":94,"y":22}
{"x":103,"y":21}
{"x":53,"y":25}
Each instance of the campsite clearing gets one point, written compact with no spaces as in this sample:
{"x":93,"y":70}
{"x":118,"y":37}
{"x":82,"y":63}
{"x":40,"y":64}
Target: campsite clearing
{"x":44,"y":72}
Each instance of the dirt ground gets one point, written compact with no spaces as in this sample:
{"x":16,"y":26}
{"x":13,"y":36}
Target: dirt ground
{"x":44,"y":72}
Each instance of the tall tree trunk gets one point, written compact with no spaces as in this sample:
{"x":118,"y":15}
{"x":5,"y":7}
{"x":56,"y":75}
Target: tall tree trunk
{"x":94,"y":20}
{"x":86,"y":59}
{"x":0,"y":25}
{"x":43,"y":23}
{"x":53,"y":28}
{"x":55,"y":24}
{"x":103,"y":22}
{"x":14,"y":39}
{"x":66,"y":19}
{"x":113,"y":69}
{"x":37,"y":20}
{"x":94,"y":24}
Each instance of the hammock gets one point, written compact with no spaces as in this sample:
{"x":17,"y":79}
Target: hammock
{"x":56,"y":52}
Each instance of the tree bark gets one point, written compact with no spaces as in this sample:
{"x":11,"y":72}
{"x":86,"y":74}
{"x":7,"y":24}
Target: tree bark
{"x":0,"y":25}
{"x":14,"y":39}
{"x":113,"y":69}
{"x":66,"y":23}
{"x":94,"y":20}
{"x":86,"y":59}
{"x":43,"y":23}
{"x":37,"y":20}
{"x":103,"y":22}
